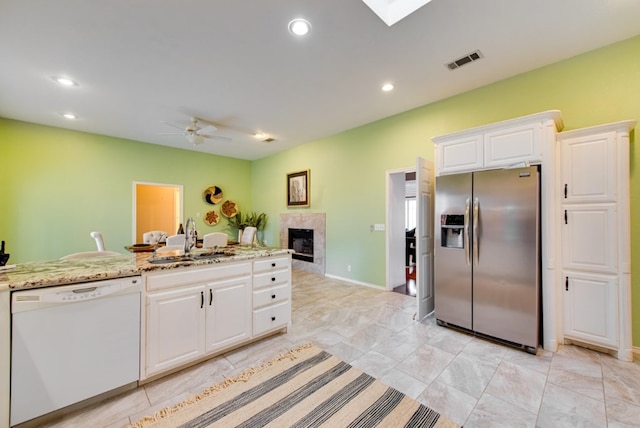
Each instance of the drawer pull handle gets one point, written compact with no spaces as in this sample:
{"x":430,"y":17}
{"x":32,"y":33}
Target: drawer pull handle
{"x":210,"y":296}
{"x":273,"y":296}
{"x":273,"y":278}
{"x":273,"y":318}
{"x":201,"y":299}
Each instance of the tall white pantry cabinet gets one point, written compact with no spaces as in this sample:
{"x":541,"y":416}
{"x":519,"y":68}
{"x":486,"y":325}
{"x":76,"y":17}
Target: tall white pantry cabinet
{"x":595,"y":237}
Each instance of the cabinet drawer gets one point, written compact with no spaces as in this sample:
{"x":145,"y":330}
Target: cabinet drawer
{"x":271,"y":317}
{"x":182,"y":277}
{"x":271,"y":264}
{"x":268,"y":279}
{"x":271,"y":295}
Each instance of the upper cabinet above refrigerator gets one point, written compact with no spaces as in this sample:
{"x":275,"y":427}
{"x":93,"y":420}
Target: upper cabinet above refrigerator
{"x":499,"y":145}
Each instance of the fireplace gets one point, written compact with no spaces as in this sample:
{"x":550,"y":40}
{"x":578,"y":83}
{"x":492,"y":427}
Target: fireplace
{"x":315,"y":222}
{"x":301,"y":242}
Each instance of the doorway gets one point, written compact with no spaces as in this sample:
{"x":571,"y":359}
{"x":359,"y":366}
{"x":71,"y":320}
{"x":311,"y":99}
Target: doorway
{"x":156,"y":206}
{"x":401,"y":224}
{"x":396,"y":236}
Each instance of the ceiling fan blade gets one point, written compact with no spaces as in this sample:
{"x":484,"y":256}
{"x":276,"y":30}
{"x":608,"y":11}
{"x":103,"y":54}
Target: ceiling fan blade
{"x":207,"y":130}
{"x":216,"y":137}
{"x":173,"y":125}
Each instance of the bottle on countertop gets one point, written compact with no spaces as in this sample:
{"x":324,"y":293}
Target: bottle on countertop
{"x":180,"y":230}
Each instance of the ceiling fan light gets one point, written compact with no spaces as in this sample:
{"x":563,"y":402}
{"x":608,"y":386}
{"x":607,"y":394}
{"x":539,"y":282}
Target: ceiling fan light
{"x":64,"y":81}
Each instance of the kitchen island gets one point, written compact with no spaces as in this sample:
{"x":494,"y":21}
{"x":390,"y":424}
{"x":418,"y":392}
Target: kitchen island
{"x":190,"y":309}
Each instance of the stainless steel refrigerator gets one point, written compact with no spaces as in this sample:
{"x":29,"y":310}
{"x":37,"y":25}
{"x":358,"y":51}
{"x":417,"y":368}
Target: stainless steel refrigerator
{"x":487,"y":254}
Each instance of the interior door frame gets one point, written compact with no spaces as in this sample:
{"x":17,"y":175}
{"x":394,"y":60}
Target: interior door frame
{"x":178,"y":187}
{"x":395,"y":239}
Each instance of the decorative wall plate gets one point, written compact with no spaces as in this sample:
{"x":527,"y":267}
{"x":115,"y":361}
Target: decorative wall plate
{"x":213,"y":194}
{"x":229,"y":209}
{"x":211,"y":218}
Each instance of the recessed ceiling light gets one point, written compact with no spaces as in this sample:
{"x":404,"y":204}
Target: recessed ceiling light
{"x":258,"y":135}
{"x":388,"y":87}
{"x":69,"y":116}
{"x":299,"y":27}
{"x":64,"y":81}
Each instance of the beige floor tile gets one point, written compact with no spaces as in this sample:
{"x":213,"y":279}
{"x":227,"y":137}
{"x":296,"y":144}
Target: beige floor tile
{"x":472,"y":381}
{"x":492,"y":412}
{"x":517,"y":386}
{"x":564,"y":408}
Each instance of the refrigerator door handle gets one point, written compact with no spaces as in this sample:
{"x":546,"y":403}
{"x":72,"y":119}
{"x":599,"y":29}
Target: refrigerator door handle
{"x":465,"y":236}
{"x":476,"y":211}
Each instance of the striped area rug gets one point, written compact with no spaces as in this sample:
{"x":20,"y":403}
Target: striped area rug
{"x":305,"y":387}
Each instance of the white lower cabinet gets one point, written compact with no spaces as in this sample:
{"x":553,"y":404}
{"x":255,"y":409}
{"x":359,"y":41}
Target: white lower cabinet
{"x":590,"y":308}
{"x":228,"y":313}
{"x":175,"y":327}
{"x":192,"y":313}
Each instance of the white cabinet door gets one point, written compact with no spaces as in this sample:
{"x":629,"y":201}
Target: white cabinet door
{"x":590,"y":308}
{"x":464,"y":154}
{"x":588,"y":168}
{"x":228,"y":313}
{"x":175,"y":327}
{"x":506,"y":147}
{"x":589,"y":238}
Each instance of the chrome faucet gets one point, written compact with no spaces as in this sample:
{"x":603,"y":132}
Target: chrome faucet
{"x":157,"y":244}
{"x":189,"y":236}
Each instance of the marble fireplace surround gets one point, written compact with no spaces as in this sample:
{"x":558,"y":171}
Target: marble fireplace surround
{"x":315,"y":221}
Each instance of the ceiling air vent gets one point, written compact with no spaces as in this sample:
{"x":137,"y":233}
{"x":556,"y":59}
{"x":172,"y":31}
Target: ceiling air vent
{"x":269,"y":139}
{"x":473,"y":56}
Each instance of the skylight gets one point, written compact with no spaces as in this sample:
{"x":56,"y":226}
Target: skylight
{"x":392,"y":11}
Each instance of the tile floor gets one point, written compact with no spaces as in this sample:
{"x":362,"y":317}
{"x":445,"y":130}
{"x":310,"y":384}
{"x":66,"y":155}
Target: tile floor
{"x":472,"y":381}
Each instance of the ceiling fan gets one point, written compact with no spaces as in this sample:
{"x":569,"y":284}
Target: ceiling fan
{"x":196,"y":134}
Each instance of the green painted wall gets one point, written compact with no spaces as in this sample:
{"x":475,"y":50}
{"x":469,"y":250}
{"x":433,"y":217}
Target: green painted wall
{"x":56,"y":186}
{"x":348,"y":169}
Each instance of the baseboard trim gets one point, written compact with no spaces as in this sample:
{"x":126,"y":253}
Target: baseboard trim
{"x":351,"y":281}
{"x":636,"y":353}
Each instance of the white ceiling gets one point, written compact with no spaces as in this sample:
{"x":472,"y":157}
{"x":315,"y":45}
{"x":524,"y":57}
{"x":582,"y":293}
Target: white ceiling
{"x":234,"y":63}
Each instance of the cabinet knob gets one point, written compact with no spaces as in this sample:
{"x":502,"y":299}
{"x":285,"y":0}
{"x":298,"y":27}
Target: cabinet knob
{"x":273,"y":296}
{"x":273,"y":265}
{"x":273,"y":278}
{"x":273,"y":318}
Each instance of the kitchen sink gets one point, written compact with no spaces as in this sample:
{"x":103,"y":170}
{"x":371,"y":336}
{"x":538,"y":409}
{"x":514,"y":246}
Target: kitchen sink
{"x":195,"y":255}
{"x":169,"y":259}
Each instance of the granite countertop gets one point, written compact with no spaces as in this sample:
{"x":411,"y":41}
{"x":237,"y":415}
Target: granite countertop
{"x":60,"y":272}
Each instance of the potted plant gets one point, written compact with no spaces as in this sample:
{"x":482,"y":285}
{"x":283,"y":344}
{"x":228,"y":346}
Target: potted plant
{"x":240,"y":221}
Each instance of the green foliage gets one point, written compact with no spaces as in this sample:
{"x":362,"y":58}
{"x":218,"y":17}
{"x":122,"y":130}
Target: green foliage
{"x":240,"y":221}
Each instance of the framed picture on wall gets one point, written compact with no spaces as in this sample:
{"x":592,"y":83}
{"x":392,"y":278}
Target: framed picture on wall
{"x":298,"y":189}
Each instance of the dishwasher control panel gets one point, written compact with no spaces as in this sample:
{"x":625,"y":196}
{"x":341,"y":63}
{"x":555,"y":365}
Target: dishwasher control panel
{"x":30,"y":299}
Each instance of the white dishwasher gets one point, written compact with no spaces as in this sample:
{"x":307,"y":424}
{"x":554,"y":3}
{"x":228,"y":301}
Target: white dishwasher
{"x":72,"y":342}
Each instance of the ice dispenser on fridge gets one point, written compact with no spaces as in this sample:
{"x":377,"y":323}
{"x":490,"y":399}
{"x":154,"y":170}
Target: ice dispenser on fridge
{"x":452,"y":230}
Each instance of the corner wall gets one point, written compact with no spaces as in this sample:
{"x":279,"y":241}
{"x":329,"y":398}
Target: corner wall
{"x":348,"y":169}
